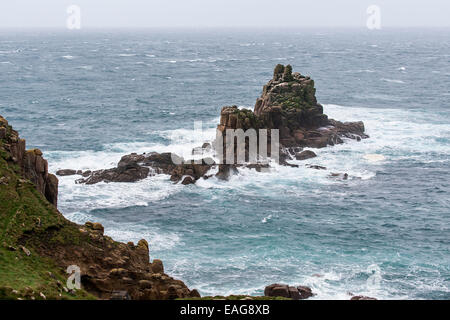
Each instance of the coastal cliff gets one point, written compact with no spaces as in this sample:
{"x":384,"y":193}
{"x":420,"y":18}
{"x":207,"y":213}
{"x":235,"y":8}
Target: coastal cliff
{"x":37,"y":244}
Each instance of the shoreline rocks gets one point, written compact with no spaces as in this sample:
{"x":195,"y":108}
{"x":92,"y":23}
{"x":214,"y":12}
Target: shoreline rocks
{"x":287,"y":103}
{"x":31,"y":162}
{"x":286,"y":291}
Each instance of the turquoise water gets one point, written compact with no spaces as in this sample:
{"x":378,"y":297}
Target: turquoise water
{"x":88,"y":98}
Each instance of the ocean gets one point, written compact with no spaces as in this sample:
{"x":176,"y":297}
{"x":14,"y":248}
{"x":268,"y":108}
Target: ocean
{"x":86,"y":98}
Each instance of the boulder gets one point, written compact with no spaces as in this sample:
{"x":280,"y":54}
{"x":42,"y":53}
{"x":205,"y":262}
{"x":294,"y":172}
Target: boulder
{"x":157,"y":266}
{"x":305,"y":292}
{"x":188,"y":180}
{"x":98,"y":227}
{"x":307,"y":154}
{"x":283,"y":290}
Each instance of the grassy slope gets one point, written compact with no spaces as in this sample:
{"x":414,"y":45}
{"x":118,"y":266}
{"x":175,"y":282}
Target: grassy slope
{"x":22,"y":210}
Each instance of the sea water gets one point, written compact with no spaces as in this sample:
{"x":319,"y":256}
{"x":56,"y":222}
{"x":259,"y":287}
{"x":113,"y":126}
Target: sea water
{"x":86,"y":98}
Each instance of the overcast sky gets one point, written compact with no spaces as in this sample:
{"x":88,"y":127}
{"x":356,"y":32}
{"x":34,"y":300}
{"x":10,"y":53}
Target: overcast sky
{"x":224,"y":13}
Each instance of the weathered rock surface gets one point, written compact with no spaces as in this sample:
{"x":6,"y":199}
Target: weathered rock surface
{"x":31,"y":163}
{"x":288,"y":103}
{"x":35,"y":228}
{"x":135,"y":167}
{"x":286,"y":291}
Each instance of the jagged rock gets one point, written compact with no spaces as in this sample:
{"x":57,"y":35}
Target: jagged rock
{"x":188,"y":180}
{"x":288,"y":103}
{"x":142,"y":244}
{"x":305,"y":292}
{"x":135,"y":167}
{"x":98,"y":227}
{"x":157,"y":266}
{"x":283,"y":290}
{"x":194,"y":294}
{"x":31,"y":162}
{"x":307,"y":154}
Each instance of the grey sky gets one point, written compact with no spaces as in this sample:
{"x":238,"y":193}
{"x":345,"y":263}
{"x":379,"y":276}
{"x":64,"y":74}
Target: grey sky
{"x":224,"y":13}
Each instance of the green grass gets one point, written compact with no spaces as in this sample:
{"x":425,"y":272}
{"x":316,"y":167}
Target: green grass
{"x":24,"y":213}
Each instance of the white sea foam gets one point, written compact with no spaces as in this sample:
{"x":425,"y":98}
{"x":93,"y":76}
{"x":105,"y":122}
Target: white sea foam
{"x":127,"y":54}
{"x":394,"y":135}
{"x":393,"y":80}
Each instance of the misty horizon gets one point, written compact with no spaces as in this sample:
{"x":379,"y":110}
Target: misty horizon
{"x":201,"y":14}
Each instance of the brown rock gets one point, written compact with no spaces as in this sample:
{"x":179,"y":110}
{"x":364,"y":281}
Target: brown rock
{"x":157,"y":266}
{"x":188,"y":180}
{"x":305,"y":292}
{"x":307,"y":154}
{"x":142,"y":244}
{"x":98,"y":227}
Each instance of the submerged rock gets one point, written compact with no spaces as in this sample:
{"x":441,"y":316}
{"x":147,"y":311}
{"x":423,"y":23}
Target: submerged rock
{"x":30,"y":162}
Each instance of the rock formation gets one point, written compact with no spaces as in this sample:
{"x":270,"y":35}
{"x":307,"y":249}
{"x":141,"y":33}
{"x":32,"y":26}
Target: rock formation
{"x":287,"y":104}
{"x":38,"y":243}
{"x":31,"y":163}
{"x":285,"y":291}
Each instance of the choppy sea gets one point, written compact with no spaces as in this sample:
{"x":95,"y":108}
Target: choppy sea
{"x":87,"y":98}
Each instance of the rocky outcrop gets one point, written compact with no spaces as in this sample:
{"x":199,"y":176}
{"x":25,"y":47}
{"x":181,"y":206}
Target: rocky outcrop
{"x":288,"y":103}
{"x":43,"y":240}
{"x":286,"y":291}
{"x":30,"y":162}
{"x":108,"y":266}
{"x":135,"y":167}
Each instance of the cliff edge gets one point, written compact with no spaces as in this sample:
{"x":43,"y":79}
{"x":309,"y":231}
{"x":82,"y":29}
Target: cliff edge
{"x":37,"y":244}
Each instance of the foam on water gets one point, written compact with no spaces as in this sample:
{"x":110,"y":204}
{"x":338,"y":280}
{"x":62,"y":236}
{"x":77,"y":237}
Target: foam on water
{"x":290,"y":225}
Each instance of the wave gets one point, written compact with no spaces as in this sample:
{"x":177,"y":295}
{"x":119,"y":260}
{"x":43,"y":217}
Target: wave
{"x":395,"y":135}
{"x":393,"y":80}
{"x":127,"y":54}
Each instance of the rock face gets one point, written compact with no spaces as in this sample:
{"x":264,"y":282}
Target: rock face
{"x":31,"y":163}
{"x":34,"y":228}
{"x":286,"y":291}
{"x":288,"y":103}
